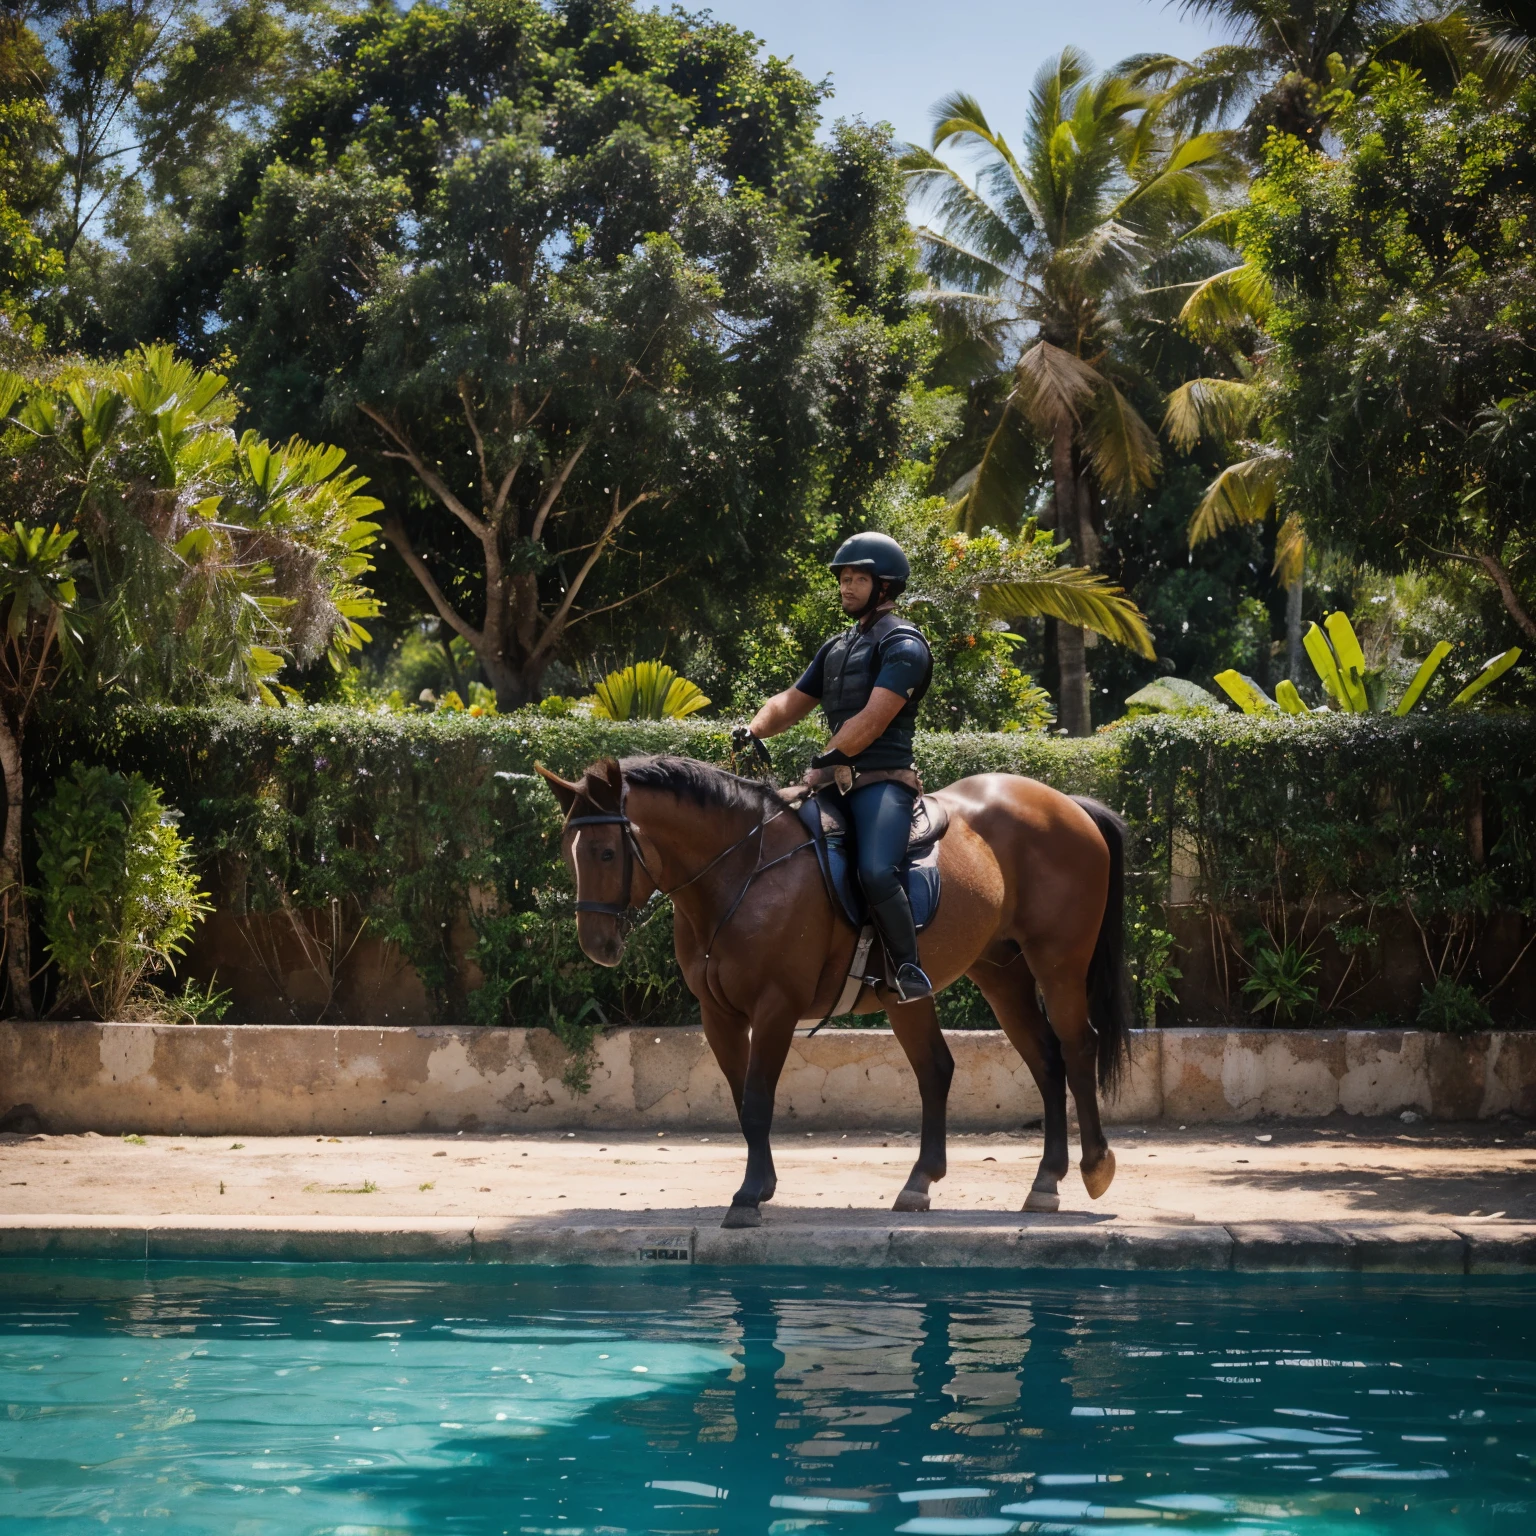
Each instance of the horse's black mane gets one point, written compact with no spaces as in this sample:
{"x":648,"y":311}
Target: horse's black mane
{"x":695,"y":781}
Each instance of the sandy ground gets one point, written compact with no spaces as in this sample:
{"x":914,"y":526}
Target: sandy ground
{"x":1290,"y":1171}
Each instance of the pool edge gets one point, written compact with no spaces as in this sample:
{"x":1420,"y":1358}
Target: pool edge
{"x":1249,"y":1247}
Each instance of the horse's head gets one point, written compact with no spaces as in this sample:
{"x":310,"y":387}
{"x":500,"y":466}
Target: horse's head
{"x":600,"y":851}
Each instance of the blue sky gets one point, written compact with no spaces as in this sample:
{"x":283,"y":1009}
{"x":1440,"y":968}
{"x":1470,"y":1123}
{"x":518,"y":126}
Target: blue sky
{"x":892,"y":59}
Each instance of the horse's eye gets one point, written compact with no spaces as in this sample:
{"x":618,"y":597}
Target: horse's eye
{"x":607,"y":855}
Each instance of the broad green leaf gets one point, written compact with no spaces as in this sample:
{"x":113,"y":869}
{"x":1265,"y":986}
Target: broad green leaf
{"x":1351,"y":660}
{"x":1288,"y":699}
{"x":1326,"y":666}
{"x":1246,"y":693}
{"x":647,"y":690}
{"x":1491,"y":673}
{"x":1422,"y":678}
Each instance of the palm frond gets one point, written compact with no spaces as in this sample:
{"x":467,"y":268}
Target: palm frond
{"x":948,"y":261}
{"x":1121,"y":446}
{"x":1051,"y":385}
{"x":1290,"y":552}
{"x":1234,"y":296}
{"x":1074,"y":596}
{"x":1219,"y":408}
{"x":994,"y":493}
{"x":1242,"y":493}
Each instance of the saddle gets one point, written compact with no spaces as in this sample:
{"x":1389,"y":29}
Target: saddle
{"x":825,"y":817}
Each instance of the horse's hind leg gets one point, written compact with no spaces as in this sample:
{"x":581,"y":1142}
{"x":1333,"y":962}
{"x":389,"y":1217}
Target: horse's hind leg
{"x":1066,"y":1001}
{"x":1010,"y":991}
{"x":916,"y":1026}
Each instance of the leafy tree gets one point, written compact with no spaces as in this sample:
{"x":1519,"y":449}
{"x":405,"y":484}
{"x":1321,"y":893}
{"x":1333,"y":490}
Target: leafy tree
{"x":27,"y":267}
{"x":1404,"y":278}
{"x":160,"y":556}
{"x":1047,"y":256}
{"x":37,"y":590}
{"x":150,"y":100}
{"x":581,"y":288}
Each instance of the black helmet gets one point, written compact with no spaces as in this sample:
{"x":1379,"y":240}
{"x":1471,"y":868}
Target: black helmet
{"x":877,"y":553}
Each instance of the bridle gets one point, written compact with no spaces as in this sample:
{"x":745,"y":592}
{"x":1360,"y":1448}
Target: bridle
{"x":618,"y":910}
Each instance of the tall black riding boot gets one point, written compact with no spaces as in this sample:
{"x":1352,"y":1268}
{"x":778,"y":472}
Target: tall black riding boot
{"x":893,"y":917}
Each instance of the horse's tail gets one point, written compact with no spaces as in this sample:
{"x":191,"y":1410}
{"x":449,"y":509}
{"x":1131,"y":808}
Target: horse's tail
{"x":1109,"y":984}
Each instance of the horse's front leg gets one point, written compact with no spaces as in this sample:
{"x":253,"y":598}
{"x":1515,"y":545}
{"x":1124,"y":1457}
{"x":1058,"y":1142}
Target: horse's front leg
{"x":773,"y":1027}
{"x":916,"y":1026}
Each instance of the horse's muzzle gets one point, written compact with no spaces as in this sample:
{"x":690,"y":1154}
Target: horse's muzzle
{"x":601,"y":938}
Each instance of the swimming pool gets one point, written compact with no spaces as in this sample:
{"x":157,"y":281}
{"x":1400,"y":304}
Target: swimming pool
{"x":346,"y":1400}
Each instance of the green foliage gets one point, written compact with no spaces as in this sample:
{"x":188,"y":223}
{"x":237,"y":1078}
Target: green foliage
{"x":29,"y":270}
{"x":1281,"y":976}
{"x":1351,"y":686}
{"x":977,"y":680}
{"x":119,"y":890}
{"x":198,"y":1002}
{"x":1153,"y":971}
{"x":412,"y":820}
{"x":1404,"y":273}
{"x":647,"y":690}
{"x":150,"y":103}
{"x":581,"y":289}
{"x":210,"y":558}
{"x":1450,"y":1008}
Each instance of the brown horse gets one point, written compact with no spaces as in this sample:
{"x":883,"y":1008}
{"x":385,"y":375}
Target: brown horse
{"x":1031,"y":911}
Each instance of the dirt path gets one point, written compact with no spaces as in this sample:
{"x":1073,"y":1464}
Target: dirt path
{"x":1286,"y":1171}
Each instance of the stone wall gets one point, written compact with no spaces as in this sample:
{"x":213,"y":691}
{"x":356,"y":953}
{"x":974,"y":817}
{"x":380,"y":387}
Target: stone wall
{"x":287,"y":1080}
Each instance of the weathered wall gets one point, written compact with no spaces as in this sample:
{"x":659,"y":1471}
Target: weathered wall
{"x":254,"y":1079}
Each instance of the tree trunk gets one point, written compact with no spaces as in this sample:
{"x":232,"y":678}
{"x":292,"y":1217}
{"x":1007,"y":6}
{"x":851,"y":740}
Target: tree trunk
{"x":514,"y":686}
{"x":1293,"y":631}
{"x":1073,"y":705}
{"x":18,"y":959}
{"x":1498,"y":574}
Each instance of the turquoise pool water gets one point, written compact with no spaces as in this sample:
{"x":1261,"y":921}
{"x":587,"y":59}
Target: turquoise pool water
{"x":349,"y":1400}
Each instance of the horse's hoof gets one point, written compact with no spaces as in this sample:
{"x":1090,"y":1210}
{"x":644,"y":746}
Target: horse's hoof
{"x":1098,"y":1178}
{"x":743,"y":1216}
{"x":911,"y":1200}
{"x":1041,"y":1200}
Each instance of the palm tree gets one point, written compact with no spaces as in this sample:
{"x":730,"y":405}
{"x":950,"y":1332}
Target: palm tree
{"x":1289,"y":59}
{"x":1044,"y":257}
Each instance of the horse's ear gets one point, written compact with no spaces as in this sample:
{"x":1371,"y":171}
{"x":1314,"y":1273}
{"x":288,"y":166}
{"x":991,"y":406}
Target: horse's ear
{"x":566,"y":794}
{"x":607,"y":772}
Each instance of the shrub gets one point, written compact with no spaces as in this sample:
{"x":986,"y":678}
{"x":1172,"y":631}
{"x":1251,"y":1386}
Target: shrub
{"x":119,"y":890}
{"x":647,"y":690}
{"x":1282,"y":976}
{"x":1452,"y":1009}
{"x":410,"y":820}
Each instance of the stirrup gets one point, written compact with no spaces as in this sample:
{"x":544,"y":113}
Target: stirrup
{"x":912,"y":982}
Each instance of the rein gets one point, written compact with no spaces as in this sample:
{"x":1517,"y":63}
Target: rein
{"x":632,"y":856}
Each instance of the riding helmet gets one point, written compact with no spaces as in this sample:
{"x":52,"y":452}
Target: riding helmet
{"x":877,"y":553}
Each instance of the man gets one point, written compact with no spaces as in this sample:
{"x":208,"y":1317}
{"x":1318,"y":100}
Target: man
{"x":869,"y":681}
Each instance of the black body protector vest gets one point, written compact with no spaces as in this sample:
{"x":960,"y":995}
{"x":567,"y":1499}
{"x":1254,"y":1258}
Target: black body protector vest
{"x":848,"y":680}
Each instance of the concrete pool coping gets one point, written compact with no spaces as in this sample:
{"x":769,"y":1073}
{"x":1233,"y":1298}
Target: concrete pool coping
{"x":1012,"y":1242}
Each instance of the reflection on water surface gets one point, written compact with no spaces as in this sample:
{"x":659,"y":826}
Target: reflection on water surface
{"x":358,"y":1400}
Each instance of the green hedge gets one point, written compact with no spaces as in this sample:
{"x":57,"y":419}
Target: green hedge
{"x":409,"y":820}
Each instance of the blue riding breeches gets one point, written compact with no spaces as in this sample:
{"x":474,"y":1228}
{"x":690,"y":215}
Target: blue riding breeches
{"x":882,"y":823}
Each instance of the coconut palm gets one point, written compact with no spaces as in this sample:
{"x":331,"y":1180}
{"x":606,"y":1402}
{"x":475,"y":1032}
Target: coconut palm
{"x":1044,"y":257}
{"x":1226,"y":308}
{"x":1289,"y":60}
